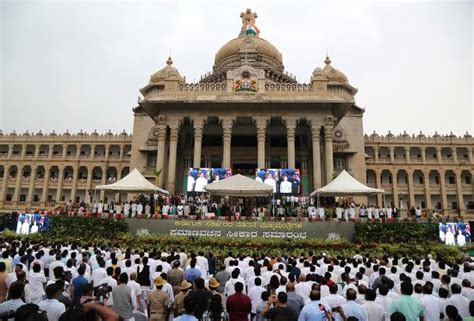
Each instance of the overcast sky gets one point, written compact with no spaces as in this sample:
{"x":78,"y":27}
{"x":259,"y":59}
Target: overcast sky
{"x":79,"y":64}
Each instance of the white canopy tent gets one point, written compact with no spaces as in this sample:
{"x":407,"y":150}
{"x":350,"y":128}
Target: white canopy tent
{"x":133,"y":182}
{"x":239,"y":185}
{"x":345,"y":184}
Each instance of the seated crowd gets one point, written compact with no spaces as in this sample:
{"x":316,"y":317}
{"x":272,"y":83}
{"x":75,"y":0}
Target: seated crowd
{"x":92,"y":282}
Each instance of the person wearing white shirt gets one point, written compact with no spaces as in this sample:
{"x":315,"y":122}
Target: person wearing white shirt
{"x":269,"y":180}
{"x":128,"y":268}
{"x":321,"y":212}
{"x":201,"y":261}
{"x":139,"y":208}
{"x":375,"y":311}
{"x":285,"y":185}
{"x":201,"y":183}
{"x":36,"y":281}
{"x":384,"y":300}
{"x":339,"y":211}
{"x":459,"y":301}
{"x":255,"y":294}
{"x":99,"y":274}
{"x":138,"y":291}
{"x":229,"y":287}
{"x":432,"y":304}
{"x":352,"y":309}
{"x":312,"y":211}
{"x":100,"y":207}
{"x":352,"y":213}
{"x":54,"y":309}
{"x":134,"y":209}
{"x":109,"y":280}
{"x":126,"y":209}
{"x":334,"y":299}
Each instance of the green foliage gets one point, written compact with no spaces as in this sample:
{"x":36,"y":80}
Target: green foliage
{"x":395,"y":232}
{"x":376,"y":240}
{"x":84,"y":228}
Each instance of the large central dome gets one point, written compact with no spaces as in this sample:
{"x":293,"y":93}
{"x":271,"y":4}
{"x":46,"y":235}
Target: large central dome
{"x":249,"y":45}
{"x":248,"y":49}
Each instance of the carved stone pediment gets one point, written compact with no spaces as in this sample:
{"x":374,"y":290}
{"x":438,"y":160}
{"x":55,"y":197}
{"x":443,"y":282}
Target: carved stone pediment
{"x":246,"y":79}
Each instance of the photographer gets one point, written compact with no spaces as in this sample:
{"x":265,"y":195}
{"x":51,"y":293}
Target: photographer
{"x":280,"y":311}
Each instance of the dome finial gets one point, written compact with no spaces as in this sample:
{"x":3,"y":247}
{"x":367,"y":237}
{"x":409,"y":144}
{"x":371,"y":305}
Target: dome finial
{"x":327,"y":61}
{"x":169,"y":62}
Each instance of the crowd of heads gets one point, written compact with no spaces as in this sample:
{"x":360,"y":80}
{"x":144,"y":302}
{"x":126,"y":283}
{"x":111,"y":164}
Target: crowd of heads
{"x":68,"y":280}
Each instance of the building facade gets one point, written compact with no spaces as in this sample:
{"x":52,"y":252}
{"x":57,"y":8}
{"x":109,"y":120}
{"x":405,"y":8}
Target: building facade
{"x":247,"y":113}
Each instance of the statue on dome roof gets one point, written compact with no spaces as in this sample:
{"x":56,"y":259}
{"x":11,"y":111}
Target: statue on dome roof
{"x":248,"y":24}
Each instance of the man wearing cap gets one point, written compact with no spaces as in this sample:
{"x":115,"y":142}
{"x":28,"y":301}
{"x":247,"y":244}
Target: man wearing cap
{"x":214,"y":287}
{"x":157,"y":302}
{"x":189,"y":308}
{"x":178,"y":307}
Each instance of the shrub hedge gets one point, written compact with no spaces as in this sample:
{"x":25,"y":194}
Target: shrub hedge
{"x":376,"y":240}
{"x":396,"y":232}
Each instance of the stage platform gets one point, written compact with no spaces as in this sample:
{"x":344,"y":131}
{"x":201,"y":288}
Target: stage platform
{"x":244,"y":229}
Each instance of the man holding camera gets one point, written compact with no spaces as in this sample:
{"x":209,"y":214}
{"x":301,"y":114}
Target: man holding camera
{"x":280,"y":310}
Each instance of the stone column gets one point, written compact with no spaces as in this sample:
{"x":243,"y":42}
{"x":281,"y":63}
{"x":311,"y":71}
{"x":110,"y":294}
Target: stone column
{"x":407,"y":154}
{"x":103,"y":180}
{"x":378,"y":184}
{"x":31,"y":186}
{"x":60,"y":184}
{"x":290,"y":138}
{"x":23,"y":150}
{"x":455,"y":155}
{"x":198,"y":132}
{"x":4,"y":185}
{"x":226,"y":140}
{"x":78,"y":152}
{"x":10,"y":150}
{"x":174,"y":130}
{"x":44,"y":194}
{"x":37,"y":150}
{"x":423,"y":154}
{"x":459,"y":195}
{"x":261,"y":124}
{"x":328,"y":135}
{"x":92,"y":155}
{"x":444,"y":196}
{"x":395,"y":189}
{"x":50,"y":151}
{"x":392,"y":154}
{"x":470,"y":156}
{"x":411,"y":190}
{"x":317,"y":174}
{"x":426,"y":178}
{"x":89,"y":191}
{"x":438,"y":154}
{"x":16,"y":193}
{"x":75,"y":175}
{"x":376,"y":154}
{"x":64,"y":151}
{"x":160,"y":156}
{"x":107,"y":150}
{"x":122,"y":150}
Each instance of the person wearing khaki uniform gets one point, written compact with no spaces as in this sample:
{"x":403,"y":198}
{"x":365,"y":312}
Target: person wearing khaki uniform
{"x":178,"y":307}
{"x":175,"y":277}
{"x":157,"y":302}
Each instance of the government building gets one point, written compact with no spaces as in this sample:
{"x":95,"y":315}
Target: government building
{"x":247,"y":113}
